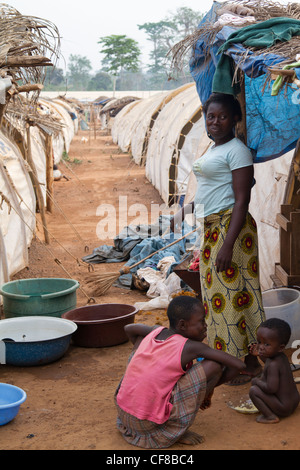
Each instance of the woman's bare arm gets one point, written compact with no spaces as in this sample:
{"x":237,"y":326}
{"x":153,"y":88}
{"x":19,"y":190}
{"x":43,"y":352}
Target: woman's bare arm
{"x":242,"y":180}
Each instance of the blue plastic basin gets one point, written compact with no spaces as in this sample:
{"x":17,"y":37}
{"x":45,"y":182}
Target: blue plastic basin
{"x":11,"y":398}
{"x":33,"y":341}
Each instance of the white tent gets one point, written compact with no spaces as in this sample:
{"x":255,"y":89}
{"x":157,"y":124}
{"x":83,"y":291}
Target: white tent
{"x":124,"y":123}
{"x":163,"y":132}
{"x":148,"y":109}
{"x":266,"y":199}
{"x":104,"y":118}
{"x":63,"y":115}
{"x":17,"y":212}
{"x":170,"y":131}
{"x":71,"y":110}
{"x":17,"y":196}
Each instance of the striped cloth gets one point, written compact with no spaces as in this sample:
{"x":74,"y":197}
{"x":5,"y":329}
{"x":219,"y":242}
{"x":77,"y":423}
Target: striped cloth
{"x":187,"y":397}
{"x":232,"y":299}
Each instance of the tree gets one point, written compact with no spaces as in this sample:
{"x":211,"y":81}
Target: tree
{"x":79,"y":72}
{"x":120,"y":54}
{"x":54,"y":77}
{"x":160,"y":34}
{"x":164,"y":35}
{"x":100,"y":81}
{"x":186,"y":21}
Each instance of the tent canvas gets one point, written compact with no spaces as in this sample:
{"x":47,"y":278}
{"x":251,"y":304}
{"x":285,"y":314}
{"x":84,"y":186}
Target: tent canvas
{"x":18,"y":221}
{"x":149,"y":107}
{"x":122,"y":126}
{"x":165,"y":137}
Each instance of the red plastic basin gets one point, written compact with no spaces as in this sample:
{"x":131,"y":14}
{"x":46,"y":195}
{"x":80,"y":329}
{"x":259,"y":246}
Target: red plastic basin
{"x":102,"y":325}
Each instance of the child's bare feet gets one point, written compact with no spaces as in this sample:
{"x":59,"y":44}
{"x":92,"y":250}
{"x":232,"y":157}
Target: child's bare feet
{"x":207,"y":401}
{"x":191,"y":438}
{"x":267,"y":420}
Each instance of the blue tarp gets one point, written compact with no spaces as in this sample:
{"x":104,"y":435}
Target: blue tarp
{"x":135,"y":243}
{"x":273,"y":122}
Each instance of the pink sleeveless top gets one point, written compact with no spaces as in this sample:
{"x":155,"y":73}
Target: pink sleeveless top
{"x":151,"y":376}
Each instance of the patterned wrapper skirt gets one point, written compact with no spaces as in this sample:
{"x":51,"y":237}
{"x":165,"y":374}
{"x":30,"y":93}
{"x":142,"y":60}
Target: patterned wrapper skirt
{"x":187,"y":397}
{"x":232,"y":298}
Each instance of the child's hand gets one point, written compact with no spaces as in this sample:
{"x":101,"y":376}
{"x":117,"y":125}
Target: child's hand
{"x":253,"y":349}
{"x":255,"y":381}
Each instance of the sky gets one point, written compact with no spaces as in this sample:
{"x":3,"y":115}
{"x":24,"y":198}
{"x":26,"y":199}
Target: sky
{"x":82,"y":23}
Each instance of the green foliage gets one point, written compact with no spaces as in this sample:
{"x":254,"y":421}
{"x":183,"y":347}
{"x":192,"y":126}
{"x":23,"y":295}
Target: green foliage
{"x":120,"y":59}
{"x":100,"y":81}
{"x":66,"y":158}
{"x":120,"y":53}
{"x":79,"y":72}
{"x":55,"y":79}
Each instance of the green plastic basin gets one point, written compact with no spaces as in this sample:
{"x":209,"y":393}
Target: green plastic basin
{"x":41,"y":296}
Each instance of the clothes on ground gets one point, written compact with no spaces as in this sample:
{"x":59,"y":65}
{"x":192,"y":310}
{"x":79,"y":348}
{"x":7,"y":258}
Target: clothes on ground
{"x":127,"y":239}
{"x":135,"y":243}
{"x":213,"y":172}
{"x":184,"y":401}
{"x":158,"y":278}
{"x":232,"y":299}
{"x":161,"y":292}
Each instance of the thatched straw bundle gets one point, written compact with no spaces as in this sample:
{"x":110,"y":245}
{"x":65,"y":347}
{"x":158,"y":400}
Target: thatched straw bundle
{"x":21,"y":110}
{"x":27,"y":45}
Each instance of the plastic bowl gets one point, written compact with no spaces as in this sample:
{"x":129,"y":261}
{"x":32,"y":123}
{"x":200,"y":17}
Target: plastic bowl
{"x":41,"y":296}
{"x":34,"y":341}
{"x":11,"y":398}
{"x":101,"y":325}
{"x":284,"y":303}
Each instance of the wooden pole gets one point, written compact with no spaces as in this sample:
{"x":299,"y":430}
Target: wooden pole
{"x":94,"y":117}
{"x":49,"y":172}
{"x":29,"y":87}
{"x":27,"y":61}
{"x":36,"y":184}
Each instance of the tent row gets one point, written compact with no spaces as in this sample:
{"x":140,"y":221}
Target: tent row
{"x":160,"y":132}
{"x":18,"y":195}
{"x":230,"y":55}
{"x":166,"y":133}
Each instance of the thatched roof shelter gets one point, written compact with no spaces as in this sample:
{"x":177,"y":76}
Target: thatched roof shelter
{"x":241,"y":47}
{"x":115,"y":107}
{"x":237,"y":14}
{"x":27,"y":46}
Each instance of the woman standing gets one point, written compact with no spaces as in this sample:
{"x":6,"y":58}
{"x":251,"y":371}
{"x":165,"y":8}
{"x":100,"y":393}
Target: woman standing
{"x":229,"y":253}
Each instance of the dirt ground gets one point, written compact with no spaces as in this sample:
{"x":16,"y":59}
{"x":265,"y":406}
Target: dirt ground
{"x":69,"y":403}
